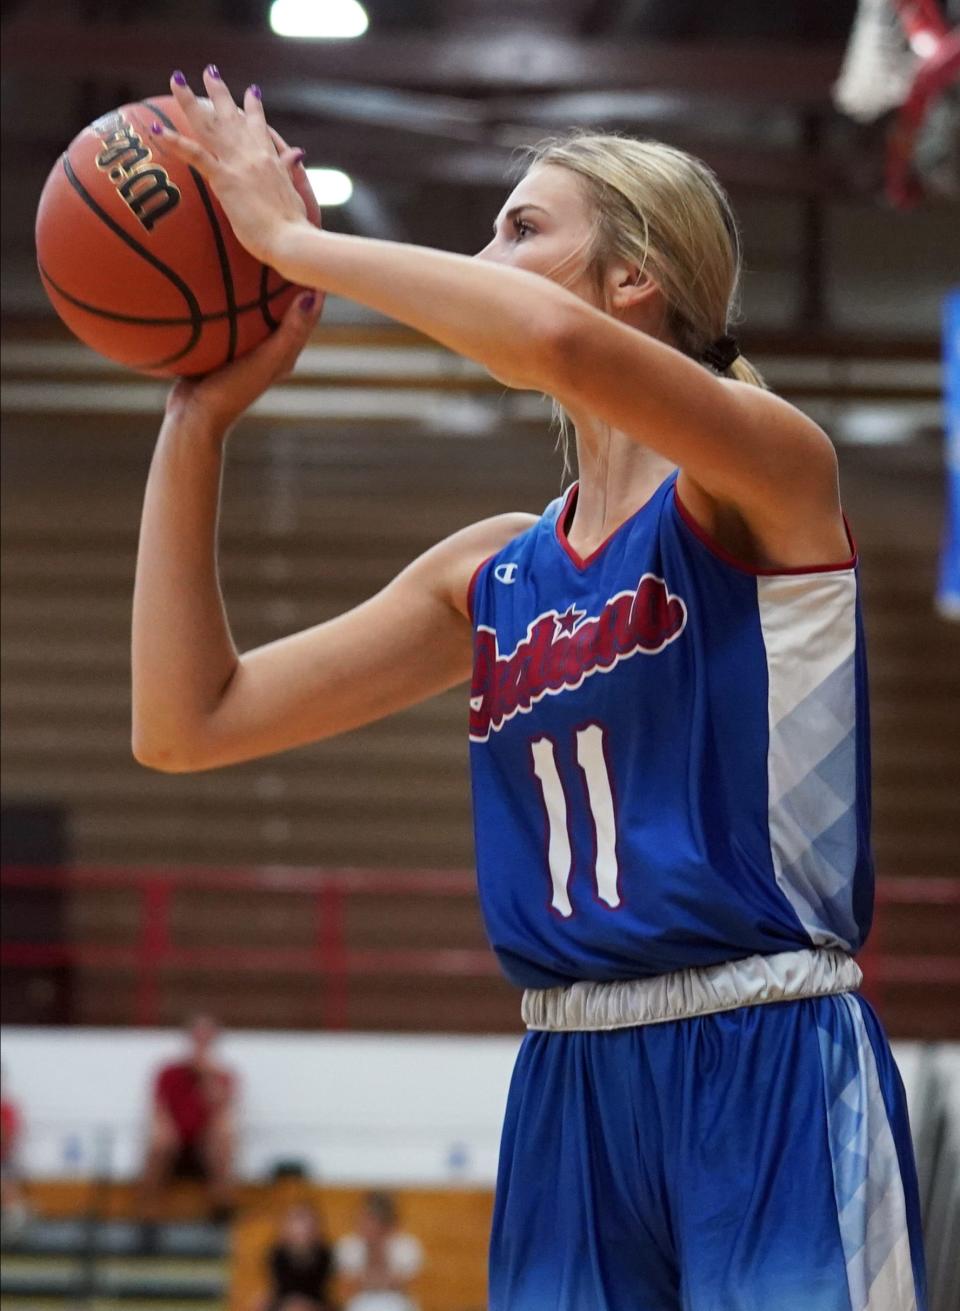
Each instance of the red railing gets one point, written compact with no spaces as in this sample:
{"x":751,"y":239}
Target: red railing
{"x":330,"y":956}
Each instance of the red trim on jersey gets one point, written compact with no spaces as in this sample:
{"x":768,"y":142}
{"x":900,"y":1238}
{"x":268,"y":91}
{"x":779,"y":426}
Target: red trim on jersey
{"x":704,"y":537}
{"x":565,"y":512}
{"x":472,"y":585}
{"x":561,"y":526}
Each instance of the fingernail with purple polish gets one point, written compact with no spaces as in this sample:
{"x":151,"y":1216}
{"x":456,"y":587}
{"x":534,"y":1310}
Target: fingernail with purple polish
{"x":307,"y":302}
{"x":299,"y":156}
{"x":156,"y":128}
{"x":180,"y":78}
{"x":256,"y":92}
{"x":213,"y":71}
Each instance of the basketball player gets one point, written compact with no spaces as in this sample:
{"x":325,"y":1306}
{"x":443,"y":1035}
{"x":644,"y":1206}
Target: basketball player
{"x":668,"y":719}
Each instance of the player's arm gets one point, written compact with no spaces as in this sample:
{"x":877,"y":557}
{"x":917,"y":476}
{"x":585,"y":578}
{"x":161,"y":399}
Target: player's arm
{"x":409,"y":642}
{"x":739,"y":442}
{"x":738,"y":447}
{"x":198,"y":704}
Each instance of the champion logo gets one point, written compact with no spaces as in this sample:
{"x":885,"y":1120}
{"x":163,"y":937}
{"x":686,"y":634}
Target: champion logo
{"x":505,"y":573}
{"x":560,"y":650}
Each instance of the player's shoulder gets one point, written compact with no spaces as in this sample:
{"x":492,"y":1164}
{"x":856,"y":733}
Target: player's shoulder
{"x":469,"y":546}
{"x":481,"y":542}
{"x":448,"y":567}
{"x":488,"y":536}
{"x":797,"y":451}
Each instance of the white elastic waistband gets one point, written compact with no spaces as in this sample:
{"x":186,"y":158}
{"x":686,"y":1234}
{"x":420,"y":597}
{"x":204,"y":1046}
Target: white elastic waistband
{"x":684,"y":994}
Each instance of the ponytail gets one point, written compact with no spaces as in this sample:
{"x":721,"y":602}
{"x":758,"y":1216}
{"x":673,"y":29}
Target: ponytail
{"x":743,"y":371}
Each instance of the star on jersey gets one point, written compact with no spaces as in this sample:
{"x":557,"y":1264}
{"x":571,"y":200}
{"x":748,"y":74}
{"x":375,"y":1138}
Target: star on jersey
{"x":567,"y":622}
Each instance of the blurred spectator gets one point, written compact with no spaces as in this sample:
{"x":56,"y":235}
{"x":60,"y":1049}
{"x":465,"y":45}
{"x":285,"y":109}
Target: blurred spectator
{"x":379,"y":1261}
{"x":300,"y":1265}
{"x":13,"y":1205}
{"x":191,"y":1129}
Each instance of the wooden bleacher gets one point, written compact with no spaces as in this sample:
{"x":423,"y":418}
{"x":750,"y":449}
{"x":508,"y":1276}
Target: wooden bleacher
{"x":452,"y":1224}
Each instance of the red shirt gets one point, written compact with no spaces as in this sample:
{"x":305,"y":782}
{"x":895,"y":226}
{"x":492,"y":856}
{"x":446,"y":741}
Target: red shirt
{"x":9,"y":1128}
{"x":182,"y":1092}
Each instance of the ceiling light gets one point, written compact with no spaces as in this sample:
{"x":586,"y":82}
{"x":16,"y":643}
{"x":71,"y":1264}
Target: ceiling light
{"x":318,"y":18}
{"x":330,"y":186}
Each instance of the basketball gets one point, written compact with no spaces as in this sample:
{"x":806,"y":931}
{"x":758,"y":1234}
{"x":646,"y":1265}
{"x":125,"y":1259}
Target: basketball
{"x":138,"y":258}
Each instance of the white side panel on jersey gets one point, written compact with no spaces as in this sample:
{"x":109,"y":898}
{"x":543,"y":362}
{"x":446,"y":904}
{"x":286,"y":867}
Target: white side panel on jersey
{"x":592,"y":761}
{"x":558,"y":850}
{"x":808,"y":623}
{"x":871,"y":1207}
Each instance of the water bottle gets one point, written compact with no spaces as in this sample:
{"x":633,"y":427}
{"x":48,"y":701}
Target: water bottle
{"x":72,"y":1153}
{"x":458,"y":1160}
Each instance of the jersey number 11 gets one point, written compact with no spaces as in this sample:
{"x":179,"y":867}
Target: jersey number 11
{"x":593,"y":763}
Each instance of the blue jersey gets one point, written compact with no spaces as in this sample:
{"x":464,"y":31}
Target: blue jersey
{"x":669,"y":752}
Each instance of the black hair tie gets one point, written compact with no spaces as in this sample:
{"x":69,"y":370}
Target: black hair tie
{"x":721,"y":353}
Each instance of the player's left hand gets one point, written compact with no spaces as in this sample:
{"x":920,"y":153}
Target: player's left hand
{"x":237,"y":153}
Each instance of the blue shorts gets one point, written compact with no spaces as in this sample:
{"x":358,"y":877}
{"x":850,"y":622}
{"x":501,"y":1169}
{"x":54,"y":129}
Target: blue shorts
{"x":758,"y":1159}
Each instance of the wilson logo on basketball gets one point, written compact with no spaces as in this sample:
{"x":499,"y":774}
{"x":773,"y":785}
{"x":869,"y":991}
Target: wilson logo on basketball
{"x":561,"y":650}
{"x":142,"y":185}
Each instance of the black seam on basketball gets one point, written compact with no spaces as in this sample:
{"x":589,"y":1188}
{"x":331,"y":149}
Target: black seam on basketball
{"x":116,"y":317}
{"x":268,"y":318}
{"x":225,"y":270}
{"x":196,"y":319}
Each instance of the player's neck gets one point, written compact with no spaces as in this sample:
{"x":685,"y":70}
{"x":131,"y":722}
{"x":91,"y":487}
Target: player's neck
{"x":617,"y":475}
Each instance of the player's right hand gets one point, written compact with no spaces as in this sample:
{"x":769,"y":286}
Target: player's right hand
{"x":219,"y":399}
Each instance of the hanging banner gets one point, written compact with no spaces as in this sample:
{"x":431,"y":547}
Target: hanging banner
{"x":948,"y":591}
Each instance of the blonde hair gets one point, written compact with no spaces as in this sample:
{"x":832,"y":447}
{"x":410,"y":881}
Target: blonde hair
{"x":665,"y":211}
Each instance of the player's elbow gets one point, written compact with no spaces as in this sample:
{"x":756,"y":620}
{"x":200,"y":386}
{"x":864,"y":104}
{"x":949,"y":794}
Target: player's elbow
{"x":163,"y":758}
{"x":162,"y":762}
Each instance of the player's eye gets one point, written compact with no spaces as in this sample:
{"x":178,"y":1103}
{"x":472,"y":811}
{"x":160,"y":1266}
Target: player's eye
{"x":522,"y":227}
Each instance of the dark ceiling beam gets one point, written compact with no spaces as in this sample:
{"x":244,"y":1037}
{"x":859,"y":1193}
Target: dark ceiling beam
{"x":425,"y":115}
{"x":391,"y":157}
{"x":519,"y":61}
{"x":515,"y":120}
{"x":601,"y":16}
{"x":481,"y":16}
{"x":385,"y":155}
{"x":722,"y":117}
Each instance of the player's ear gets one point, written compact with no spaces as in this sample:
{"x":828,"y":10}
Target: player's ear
{"x":629,"y":286}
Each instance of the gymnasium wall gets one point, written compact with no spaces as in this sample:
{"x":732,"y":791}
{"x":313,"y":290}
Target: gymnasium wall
{"x":356,"y":1109}
{"x":379,"y":1109}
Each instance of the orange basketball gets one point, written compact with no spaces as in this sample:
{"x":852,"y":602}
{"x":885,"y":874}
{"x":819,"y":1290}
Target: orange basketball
{"x":138,"y":258}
